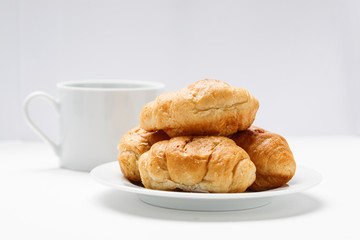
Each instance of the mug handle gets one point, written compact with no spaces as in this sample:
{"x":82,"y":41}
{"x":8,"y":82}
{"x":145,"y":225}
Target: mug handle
{"x":37,"y":130}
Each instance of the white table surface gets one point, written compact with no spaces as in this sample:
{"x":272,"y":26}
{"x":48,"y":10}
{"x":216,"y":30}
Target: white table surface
{"x":40,"y":201}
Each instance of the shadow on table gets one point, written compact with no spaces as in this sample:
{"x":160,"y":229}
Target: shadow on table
{"x":281,"y":207}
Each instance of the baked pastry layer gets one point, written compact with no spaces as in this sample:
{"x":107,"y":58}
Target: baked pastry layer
{"x":132,"y":145}
{"x":212,"y":164}
{"x":207,"y":107}
{"x":274,"y":161}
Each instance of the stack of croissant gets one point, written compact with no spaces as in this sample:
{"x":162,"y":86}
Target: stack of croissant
{"x":201,"y":138}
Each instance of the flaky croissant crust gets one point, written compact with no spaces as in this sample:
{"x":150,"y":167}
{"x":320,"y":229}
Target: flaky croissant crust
{"x":271,"y":154}
{"x":207,"y":107}
{"x":132,"y":145}
{"x":212,"y":164}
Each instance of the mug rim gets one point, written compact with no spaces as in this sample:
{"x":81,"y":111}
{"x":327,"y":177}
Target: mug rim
{"x":143,"y":85}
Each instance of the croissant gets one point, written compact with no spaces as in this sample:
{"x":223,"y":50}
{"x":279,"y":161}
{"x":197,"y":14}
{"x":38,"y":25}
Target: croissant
{"x":132,"y":145}
{"x":212,"y":164}
{"x":206,"y":107}
{"x":274,"y":161}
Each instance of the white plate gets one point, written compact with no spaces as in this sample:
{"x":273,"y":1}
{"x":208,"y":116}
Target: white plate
{"x":109,"y":174}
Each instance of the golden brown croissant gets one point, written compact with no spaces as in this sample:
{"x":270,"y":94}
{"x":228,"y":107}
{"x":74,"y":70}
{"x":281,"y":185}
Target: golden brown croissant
{"x":207,"y":107}
{"x":274,"y":161}
{"x":132,"y":145}
{"x":213,"y":164}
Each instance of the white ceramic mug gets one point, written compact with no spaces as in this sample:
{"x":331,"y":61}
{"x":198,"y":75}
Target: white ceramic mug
{"x":93,"y":117}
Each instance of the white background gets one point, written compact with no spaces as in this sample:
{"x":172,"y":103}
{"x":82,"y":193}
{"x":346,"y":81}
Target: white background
{"x":299,"y":58}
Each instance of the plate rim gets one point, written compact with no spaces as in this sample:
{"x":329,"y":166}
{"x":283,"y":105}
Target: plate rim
{"x":316,"y":176}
